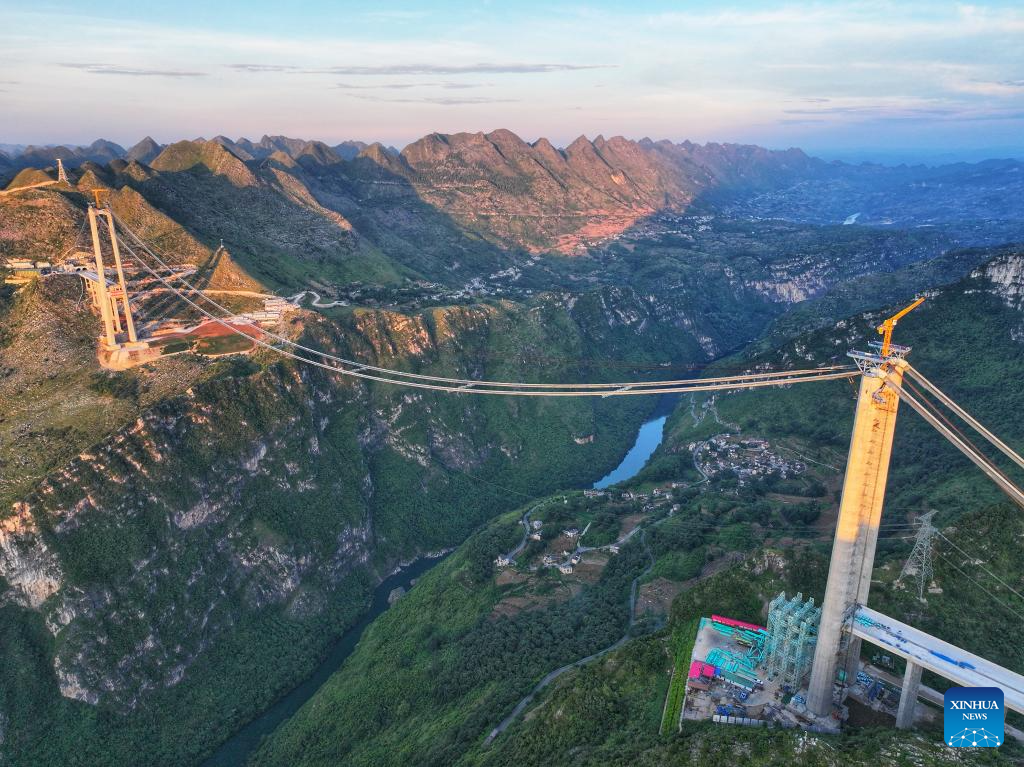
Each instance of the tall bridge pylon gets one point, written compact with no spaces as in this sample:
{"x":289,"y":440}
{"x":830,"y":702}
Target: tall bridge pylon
{"x":860,"y":513}
{"x":112,"y":302}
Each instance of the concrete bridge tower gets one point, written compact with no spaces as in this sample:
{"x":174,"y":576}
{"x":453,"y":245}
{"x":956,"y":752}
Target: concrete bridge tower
{"x":860,"y":512}
{"x":109,"y":299}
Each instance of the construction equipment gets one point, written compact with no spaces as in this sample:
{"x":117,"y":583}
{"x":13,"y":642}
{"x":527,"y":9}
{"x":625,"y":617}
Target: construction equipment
{"x":886,"y":328}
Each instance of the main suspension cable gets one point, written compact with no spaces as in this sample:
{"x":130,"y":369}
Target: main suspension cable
{"x":512,"y":389}
{"x":751,"y":380}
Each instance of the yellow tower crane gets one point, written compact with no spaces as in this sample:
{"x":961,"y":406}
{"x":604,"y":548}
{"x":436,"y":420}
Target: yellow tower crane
{"x":886,"y":328}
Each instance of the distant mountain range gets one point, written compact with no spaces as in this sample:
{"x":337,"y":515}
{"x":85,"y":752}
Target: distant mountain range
{"x":18,"y":156}
{"x":458,"y":204}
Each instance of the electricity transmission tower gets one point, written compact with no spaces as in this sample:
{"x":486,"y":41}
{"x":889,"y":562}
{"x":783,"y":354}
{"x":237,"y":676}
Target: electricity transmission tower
{"x":919,"y":563}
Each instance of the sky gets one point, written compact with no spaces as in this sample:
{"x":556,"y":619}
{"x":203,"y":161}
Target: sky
{"x":864,"y":80}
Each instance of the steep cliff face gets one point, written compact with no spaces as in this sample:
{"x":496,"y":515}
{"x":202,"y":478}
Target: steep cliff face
{"x":179,"y":508}
{"x":452,"y":208}
{"x":249,"y":500}
{"x":31,"y":570}
{"x":609,"y":711}
{"x":1006,"y":276}
{"x":175,"y":554}
{"x":543,"y":198}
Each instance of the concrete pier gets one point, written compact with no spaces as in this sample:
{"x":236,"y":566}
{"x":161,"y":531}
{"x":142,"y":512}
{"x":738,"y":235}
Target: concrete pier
{"x":908,"y":698}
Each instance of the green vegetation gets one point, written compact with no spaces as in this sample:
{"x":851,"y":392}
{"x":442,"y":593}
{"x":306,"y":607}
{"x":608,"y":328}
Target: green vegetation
{"x":395,"y":701}
{"x":437,"y":671}
{"x":681,"y":645}
{"x":121,"y":385}
{"x":604,"y":529}
{"x":217,"y":345}
{"x":212,"y":525}
{"x":52,"y":730}
{"x":249,"y":517}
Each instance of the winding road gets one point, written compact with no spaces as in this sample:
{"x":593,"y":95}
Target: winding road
{"x":525,"y":522}
{"x":318,"y":302}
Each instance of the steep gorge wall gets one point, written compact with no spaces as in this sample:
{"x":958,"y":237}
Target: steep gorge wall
{"x":271,"y":493}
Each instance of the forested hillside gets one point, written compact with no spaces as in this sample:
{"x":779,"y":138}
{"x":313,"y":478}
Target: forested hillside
{"x":411,"y":687}
{"x":260,"y":502}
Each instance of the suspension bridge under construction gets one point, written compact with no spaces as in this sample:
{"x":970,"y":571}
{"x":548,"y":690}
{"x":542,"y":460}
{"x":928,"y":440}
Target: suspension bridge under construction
{"x":886,"y":379}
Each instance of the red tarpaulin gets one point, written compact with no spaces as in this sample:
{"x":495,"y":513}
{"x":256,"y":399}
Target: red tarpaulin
{"x":737,"y":624}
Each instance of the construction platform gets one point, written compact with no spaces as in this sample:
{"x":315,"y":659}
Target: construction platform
{"x":728,"y":680}
{"x":745,"y":673}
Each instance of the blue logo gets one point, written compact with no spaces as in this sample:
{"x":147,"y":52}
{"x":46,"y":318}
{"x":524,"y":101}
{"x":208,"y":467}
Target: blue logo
{"x":973,"y":717}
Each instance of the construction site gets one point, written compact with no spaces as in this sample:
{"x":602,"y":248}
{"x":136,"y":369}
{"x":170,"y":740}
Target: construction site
{"x":138,"y":323}
{"x":749,"y":674}
{"x":805,"y":668}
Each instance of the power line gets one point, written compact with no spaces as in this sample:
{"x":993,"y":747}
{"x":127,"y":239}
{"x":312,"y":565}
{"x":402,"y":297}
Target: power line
{"x":979,"y":563}
{"x":980,"y":586}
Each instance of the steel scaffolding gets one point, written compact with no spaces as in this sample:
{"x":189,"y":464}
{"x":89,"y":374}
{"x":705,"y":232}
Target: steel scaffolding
{"x":792,"y":634}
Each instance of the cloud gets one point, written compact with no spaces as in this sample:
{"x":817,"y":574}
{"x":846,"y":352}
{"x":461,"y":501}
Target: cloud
{"x":992,"y":116}
{"x":395,"y":15}
{"x":871,"y":110}
{"x":111,"y":69}
{"x":389,"y":86}
{"x":460,"y":69}
{"x":405,"y":86}
{"x":895,"y":113}
{"x":439,"y":100}
{"x":423,"y":69}
{"x":979,"y":87}
{"x":260,"y":68}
